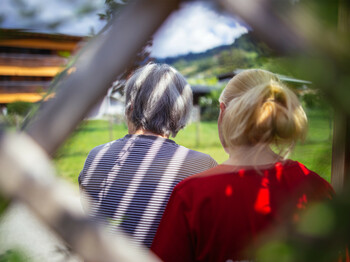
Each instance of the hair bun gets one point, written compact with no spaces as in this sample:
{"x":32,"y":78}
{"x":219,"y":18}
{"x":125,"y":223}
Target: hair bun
{"x":261,"y":109}
{"x":284,"y":124}
{"x":274,"y":119}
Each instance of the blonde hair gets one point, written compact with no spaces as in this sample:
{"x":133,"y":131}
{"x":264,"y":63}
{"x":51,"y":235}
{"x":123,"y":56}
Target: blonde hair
{"x":261,"y":109}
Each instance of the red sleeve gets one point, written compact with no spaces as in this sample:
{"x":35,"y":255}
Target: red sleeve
{"x":322,"y":189}
{"x":173,"y":240}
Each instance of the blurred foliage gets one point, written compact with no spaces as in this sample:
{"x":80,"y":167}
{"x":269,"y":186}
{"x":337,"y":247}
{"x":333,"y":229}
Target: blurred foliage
{"x":321,"y":235}
{"x":112,"y":8}
{"x":65,"y":54}
{"x":210,"y":105}
{"x":3,"y":205}
{"x":17,"y":114}
{"x":312,"y":100}
{"x":210,"y":81}
{"x":13,"y":256}
{"x":20,"y":108}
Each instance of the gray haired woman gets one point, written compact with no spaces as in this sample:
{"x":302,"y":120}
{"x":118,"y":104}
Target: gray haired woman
{"x":127,"y":182}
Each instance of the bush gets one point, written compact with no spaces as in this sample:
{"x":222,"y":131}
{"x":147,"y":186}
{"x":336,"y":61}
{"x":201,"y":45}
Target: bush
{"x":19,"y":108}
{"x":210,"y":106}
{"x":210,"y":113}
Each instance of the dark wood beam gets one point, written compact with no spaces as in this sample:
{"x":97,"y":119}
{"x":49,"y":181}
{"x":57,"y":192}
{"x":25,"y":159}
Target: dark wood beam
{"x":341,"y":131}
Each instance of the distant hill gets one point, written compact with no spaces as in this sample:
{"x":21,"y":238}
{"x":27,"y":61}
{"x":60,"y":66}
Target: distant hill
{"x":194,"y":56}
{"x":245,"y":52}
{"x":245,"y":42}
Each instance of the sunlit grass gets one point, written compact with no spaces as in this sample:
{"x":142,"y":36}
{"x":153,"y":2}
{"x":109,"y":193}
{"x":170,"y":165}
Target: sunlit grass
{"x":70,"y":159}
{"x":315,"y":152}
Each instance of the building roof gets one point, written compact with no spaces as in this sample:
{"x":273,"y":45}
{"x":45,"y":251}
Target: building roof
{"x":25,"y":97}
{"x":202,"y":89}
{"x":26,"y":34}
{"x":27,"y":39}
{"x":28,"y":60}
{"x":48,"y":71}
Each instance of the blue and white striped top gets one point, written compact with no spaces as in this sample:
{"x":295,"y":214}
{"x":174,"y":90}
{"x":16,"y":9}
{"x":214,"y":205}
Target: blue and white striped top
{"x":129,"y":181}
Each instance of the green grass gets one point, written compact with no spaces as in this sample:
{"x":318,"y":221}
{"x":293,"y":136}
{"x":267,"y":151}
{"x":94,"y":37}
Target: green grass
{"x":315,"y":152}
{"x":208,"y":143}
{"x":70,"y":158}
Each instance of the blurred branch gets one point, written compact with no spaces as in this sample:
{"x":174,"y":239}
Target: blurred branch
{"x":341,"y":136}
{"x":113,"y":10}
{"x":265,"y":19}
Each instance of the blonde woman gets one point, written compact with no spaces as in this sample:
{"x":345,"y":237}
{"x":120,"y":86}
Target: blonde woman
{"x":217,"y":214}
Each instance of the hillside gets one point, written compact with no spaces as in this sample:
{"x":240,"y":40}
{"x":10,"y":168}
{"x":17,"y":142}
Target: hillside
{"x":245,"y":52}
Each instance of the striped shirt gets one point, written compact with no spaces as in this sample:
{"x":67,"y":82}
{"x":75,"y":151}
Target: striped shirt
{"x":128,"y":181}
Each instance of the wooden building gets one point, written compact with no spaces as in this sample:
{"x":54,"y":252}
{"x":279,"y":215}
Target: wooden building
{"x":29,"y":61}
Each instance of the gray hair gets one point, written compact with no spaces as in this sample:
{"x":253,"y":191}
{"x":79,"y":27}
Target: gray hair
{"x":158,"y":99}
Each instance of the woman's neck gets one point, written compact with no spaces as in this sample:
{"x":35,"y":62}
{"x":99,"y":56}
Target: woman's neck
{"x":252,"y":156}
{"x":148,"y":133}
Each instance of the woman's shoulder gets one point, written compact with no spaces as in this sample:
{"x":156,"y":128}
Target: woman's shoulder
{"x":210,"y":177}
{"x":195,"y":156}
{"x":289,"y":171}
{"x":300,"y":169}
{"x":108,"y":145}
{"x":300,"y":175}
{"x":215,"y":171}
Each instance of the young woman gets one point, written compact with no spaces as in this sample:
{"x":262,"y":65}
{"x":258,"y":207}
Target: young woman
{"x":217,"y":215}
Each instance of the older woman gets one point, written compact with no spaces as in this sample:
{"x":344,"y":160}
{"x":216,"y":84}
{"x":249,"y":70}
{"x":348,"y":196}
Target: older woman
{"x":128,"y":181}
{"x":217,"y":214}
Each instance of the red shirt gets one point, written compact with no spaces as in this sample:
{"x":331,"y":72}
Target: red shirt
{"x":217,"y":214}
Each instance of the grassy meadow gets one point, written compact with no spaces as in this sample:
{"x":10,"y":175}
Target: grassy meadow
{"x":315,"y":152}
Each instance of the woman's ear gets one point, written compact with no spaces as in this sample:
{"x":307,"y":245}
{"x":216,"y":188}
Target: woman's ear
{"x":221,"y":115}
{"x":222,"y":110}
{"x":131,"y":127}
{"x":222,"y":106}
